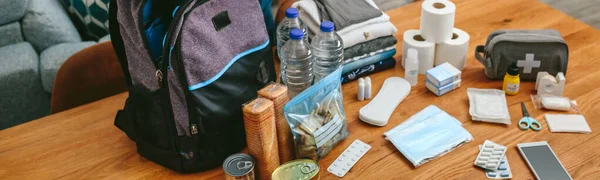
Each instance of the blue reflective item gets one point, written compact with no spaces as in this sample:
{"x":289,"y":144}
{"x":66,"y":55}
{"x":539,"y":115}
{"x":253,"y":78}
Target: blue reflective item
{"x":354,"y":65}
{"x":528,"y":122}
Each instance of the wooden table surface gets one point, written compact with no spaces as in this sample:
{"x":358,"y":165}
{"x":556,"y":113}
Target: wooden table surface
{"x":83,"y":143}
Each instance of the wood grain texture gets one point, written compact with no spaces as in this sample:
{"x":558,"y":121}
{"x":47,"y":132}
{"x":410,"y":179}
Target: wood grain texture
{"x":587,"y":11}
{"x":83,"y":143}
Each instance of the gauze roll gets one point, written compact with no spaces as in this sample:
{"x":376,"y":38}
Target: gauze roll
{"x":426,"y":49}
{"x":437,"y":20}
{"x":453,"y":51}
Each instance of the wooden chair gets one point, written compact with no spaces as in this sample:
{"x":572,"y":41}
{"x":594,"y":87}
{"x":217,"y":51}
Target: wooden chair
{"x":89,"y":75}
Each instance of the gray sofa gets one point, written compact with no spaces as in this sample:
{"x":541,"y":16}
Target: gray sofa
{"x":36,"y":37}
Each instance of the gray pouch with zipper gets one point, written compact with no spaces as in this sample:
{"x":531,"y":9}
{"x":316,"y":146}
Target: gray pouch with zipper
{"x":532,"y":50}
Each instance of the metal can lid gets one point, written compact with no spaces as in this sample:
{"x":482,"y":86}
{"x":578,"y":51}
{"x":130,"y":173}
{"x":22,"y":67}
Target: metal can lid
{"x":238,"y":164}
{"x":296,"y":169}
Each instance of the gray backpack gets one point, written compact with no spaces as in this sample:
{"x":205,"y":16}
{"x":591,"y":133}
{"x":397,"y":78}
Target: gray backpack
{"x":189,"y":67}
{"x":532,"y":50}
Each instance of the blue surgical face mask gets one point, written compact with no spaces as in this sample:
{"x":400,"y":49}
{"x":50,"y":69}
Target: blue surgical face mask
{"x":427,"y":135}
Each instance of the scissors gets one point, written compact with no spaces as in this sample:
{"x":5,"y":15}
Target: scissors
{"x":527,"y":121}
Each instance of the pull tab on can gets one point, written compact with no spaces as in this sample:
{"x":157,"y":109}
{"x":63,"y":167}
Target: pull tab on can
{"x":239,"y":166}
{"x":245,"y":164}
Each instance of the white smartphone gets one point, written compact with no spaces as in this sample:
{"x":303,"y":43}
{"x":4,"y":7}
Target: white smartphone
{"x":542,"y":161}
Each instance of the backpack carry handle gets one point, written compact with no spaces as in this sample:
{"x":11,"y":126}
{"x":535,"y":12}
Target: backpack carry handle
{"x":124,"y":121}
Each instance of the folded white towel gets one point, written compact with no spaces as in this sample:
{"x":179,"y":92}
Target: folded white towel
{"x":353,"y":34}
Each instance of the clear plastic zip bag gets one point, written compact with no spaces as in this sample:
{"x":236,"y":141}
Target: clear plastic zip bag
{"x":552,"y":102}
{"x":317,"y":119}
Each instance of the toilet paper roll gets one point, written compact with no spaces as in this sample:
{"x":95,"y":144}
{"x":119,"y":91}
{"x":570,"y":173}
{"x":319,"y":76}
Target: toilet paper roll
{"x":453,"y":51}
{"x":437,"y":20}
{"x":426,"y":49}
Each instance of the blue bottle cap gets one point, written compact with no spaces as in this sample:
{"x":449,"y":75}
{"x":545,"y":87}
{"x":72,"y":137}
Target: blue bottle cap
{"x":296,"y":34}
{"x":327,"y":26}
{"x":291,"y":13}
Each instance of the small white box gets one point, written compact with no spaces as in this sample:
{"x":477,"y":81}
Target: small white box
{"x":443,"y":74}
{"x":439,"y":91}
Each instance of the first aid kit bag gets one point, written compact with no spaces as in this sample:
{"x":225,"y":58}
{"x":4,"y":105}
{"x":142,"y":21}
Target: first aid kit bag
{"x":532,"y":50}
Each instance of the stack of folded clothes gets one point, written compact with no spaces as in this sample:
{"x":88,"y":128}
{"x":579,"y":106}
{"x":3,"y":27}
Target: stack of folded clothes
{"x":369,"y":44}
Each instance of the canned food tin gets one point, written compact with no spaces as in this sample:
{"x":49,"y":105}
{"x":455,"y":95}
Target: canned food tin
{"x":302,"y":169}
{"x":239,"y":166}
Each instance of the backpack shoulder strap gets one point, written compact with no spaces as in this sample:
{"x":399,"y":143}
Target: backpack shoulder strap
{"x":123,"y":120}
{"x":117,"y":40}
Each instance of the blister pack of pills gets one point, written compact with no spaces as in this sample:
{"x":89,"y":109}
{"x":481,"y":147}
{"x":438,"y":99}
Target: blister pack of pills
{"x":490,"y":155}
{"x":348,"y":158}
{"x":503,"y":171}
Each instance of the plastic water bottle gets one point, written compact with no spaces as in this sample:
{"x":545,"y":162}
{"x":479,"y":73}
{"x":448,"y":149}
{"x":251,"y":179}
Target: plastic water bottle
{"x":328,"y":50}
{"x":290,"y":21}
{"x":297,"y":69}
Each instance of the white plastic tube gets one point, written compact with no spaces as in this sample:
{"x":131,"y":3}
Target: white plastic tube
{"x":367,"y":87}
{"x":361,"y":89}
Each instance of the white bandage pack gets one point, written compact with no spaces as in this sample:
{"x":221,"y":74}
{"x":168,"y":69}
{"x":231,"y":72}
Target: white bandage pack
{"x":490,"y":155}
{"x":574,"y":123}
{"x":348,"y":158}
{"x":488,"y":105}
{"x":552,"y":102}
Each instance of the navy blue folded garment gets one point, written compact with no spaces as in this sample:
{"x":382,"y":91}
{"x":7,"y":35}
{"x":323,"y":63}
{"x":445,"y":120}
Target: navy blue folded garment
{"x":369,"y":69}
{"x":368,"y":60}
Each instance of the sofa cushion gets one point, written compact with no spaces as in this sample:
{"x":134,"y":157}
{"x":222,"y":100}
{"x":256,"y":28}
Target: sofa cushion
{"x":104,"y":39}
{"x":23,"y":98}
{"x":46,"y":23}
{"x":10,"y":34}
{"x":52,"y":58}
{"x":12,"y":10}
{"x":91,"y":15}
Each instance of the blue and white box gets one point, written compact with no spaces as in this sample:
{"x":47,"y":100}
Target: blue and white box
{"x":443,"y":75}
{"x":439,"y":91}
